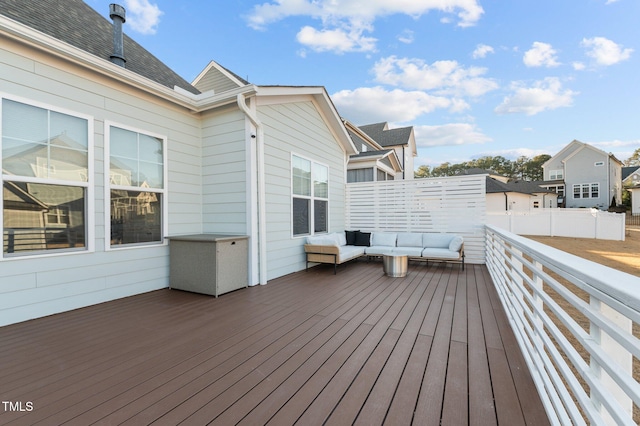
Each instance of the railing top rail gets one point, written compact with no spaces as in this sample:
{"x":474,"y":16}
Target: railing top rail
{"x":619,"y":285}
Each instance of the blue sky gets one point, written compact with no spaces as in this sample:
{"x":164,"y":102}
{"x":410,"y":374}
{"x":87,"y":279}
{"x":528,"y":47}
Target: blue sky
{"x":473,"y":77}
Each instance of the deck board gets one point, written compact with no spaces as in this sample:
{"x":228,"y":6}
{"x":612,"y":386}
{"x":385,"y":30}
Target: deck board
{"x":309,"y":348}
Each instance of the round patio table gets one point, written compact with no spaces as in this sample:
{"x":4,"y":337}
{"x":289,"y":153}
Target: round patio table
{"x":395,"y":265}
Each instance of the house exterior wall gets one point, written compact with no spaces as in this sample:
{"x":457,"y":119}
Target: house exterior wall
{"x":224,"y":173}
{"x":581,"y":168}
{"x":296,"y":127}
{"x":34,"y":286}
{"x":635,"y":201}
{"x":514,"y":202}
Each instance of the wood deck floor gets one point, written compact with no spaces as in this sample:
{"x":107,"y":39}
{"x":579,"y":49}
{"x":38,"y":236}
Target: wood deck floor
{"x":309,"y":348}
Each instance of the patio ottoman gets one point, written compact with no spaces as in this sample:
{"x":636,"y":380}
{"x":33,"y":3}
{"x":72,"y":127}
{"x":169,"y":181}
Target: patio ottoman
{"x":395,"y":265}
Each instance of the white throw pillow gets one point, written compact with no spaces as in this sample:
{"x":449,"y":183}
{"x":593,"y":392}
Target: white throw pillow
{"x":456,"y":243}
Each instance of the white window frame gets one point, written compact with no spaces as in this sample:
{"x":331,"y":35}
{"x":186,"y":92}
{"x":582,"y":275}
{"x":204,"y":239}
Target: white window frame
{"x":108,"y":186}
{"x":312,"y":197}
{"x":556,"y":174}
{"x":89,"y":185}
{"x":586,"y":190}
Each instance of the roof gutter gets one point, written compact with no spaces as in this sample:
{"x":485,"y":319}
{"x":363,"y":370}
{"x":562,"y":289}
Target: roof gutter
{"x":262,"y":221}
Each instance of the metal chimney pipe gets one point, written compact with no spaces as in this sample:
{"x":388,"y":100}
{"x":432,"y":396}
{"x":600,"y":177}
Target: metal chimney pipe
{"x":117,"y":14}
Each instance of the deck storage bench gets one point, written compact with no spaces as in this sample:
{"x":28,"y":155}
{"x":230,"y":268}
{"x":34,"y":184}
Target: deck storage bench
{"x":211,"y":264}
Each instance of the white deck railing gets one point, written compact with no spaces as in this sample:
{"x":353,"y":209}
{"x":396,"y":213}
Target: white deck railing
{"x":573,"y":319}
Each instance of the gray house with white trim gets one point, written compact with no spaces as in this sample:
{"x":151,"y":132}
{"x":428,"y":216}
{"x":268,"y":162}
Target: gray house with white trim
{"x":584,"y":176}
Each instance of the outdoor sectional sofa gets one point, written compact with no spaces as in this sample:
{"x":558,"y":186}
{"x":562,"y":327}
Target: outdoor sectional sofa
{"x":339,"y":247}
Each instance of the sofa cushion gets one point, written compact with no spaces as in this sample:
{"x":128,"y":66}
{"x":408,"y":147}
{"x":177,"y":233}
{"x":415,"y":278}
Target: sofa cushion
{"x":409,"y":239}
{"x":378,"y":250}
{"x":340,"y":237}
{"x":322,"y":240}
{"x":384,"y":239}
{"x":349,"y":252}
{"x":363,"y":239}
{"x":456,"y":243}
{"x":440,"y":253}
{"x":436,"y":240}
{"x":351,"y":237}
{"x":408,"y":251}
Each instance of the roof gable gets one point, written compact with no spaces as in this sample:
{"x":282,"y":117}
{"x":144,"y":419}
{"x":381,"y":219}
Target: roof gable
{"x":77,"y":24}
{"x":217,"y":78}
{"x":386,"y":137}
{"x":575,"y":147}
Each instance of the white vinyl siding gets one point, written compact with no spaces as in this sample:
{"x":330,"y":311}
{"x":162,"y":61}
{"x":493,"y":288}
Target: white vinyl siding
{"x":47,"y":284}
{"x":298,"y":128}
{"x":224,"y":169}
{"x":215,"y":80}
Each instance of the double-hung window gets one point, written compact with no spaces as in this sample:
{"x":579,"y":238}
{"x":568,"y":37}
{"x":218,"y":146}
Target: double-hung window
{"x":310,"y":196}
{"x":556,"y":174}
{"x":137,"y":184}
{"x":46,"y":170}
{"x":586,"y":190}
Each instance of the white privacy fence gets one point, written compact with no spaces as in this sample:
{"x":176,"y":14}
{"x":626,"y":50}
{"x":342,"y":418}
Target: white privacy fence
{"x":448,"y":204}
{"x":573,"y":320}
{"x":578,"y":223}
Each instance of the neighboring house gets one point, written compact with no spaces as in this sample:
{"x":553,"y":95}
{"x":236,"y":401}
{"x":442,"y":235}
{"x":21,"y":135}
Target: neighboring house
{"x":106,"y":153}
{"x":584,"y":176}
{"x":630,"y":176}
{"x":372,"y":162}
{"x":631,"y":183}
{"x":401,"y":140}
{"x":504,"y":194}
{"x":635,"y":199}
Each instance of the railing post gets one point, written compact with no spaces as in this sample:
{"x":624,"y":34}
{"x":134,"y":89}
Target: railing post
{"x":618,"y":354}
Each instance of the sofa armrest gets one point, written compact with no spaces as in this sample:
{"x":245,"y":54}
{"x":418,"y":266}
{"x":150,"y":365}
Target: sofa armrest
{"x":321,"y":249}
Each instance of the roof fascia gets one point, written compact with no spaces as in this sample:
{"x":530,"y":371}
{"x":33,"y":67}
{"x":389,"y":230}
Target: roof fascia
{"x":362,"y":134}
{"x":586,"y":146}
{"x":26,"y":35}
{"x":324,"y":104}
{"x":562,"y":152}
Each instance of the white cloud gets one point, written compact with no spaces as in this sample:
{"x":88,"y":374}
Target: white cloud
{"x":338,"y":40}
{"x":373,"y":104}
{"x":347,"y":17}
{"x":444,"y":77}
{"x":604,"y":51}
{"x":142,"y":16}
{"x":449,"y":135}
{"x":407,"y":37}
{"x":540,"y":55}
{"x":546,"y":94}
{"x":578,"y":66}
{"x":482,"y":50}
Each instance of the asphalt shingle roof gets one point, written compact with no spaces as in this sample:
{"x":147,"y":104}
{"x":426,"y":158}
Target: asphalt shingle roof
{"x":389,"y":137}
{"x":76,"y":23}
{"x":626,"y":171}
{"x":521,"y":186}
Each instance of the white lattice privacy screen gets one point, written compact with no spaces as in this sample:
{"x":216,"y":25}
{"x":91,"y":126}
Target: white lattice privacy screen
{"x":450,"y":205}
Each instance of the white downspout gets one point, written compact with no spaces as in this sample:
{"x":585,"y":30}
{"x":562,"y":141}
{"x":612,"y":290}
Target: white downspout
{"x":262,"y":221}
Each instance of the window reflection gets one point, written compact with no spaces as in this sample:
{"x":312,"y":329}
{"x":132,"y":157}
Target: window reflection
{"x":135,"y":217}
{"x":42,"y":217}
